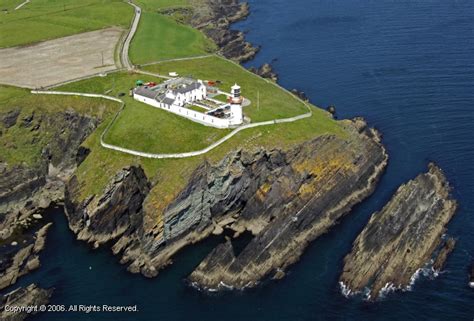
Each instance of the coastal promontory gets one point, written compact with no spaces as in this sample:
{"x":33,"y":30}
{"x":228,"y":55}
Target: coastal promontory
{"x":402,"y":238}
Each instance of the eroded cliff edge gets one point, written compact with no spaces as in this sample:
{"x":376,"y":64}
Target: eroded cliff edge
{"x":48,"y":141}
{"x":402,"y":238}
{"x":285,"y":197}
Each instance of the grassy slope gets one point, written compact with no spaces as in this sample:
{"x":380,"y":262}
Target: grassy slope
{"x":274,"y":102}
{"x":42,"y":20}
{"x":159,"y":37}
{"x":20,"y":145}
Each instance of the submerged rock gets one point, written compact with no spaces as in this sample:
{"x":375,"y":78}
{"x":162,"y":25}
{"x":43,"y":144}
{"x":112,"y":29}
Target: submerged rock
{"x":30,"y":296}
{"x":401,"y":238}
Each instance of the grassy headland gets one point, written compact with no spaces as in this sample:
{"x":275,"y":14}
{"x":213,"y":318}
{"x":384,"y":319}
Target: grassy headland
{"x":149,"y":129}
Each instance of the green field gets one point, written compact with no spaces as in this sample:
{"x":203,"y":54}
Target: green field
{"x":22,"y":145}
{"x":42,"y":20}
{"x":268,"y":101}
{"x":160,"y":37}
{"x":153,"y":5}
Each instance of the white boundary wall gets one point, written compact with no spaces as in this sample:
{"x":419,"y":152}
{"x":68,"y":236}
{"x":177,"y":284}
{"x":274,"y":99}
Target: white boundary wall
{"x":186,"y":113}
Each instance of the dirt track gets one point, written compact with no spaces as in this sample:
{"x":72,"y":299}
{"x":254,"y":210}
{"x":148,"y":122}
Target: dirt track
{"x":59,"y":60}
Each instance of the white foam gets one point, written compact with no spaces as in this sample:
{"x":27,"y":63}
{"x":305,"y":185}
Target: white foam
{"x":345,"y":290}
{"x":387,"y":288}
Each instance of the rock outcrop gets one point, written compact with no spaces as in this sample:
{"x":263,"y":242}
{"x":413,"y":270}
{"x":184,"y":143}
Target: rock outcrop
{"x":401,"y":238}
{"x":214,"y":17}
{"x":265,"y":71}
{"x":30,"y":296}
{"x":285,"y":198}
{"x":28,"y":188}
{"x":19,"y":259}
{"x":115,"y":213}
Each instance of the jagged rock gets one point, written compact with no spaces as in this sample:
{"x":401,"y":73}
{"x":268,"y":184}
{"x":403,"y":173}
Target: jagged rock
{"x":298,"y":199}
{"x":443,"y":254}
{"x":402,"y":237}
{"x":117,"y":211}
{"x":28,"y":120}
{"x":213,"y":18}
{"x":27,"y":189}
{"x":81,"y":154}
{"x":299,"y":94}
{"x":29,"y":296}
{"x":265,"y":71}
{"x":286,"y":198}
{"x":22,"y":260}
{"x":9,"y":119}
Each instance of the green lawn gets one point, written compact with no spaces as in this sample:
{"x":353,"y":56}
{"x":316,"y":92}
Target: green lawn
{"x":111,"y":85}
{"x":160,"y":37}
{"x":273,"y":103}
{"x":146,"y":128}
{"x":197,"y":108}
{"x":221,"y":97}
{"x":9,"y":5}
{"x":42,"y":20}
{"x":143,"y":127}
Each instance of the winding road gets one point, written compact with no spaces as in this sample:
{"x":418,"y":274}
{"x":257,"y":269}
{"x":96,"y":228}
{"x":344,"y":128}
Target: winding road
{"x":126,"y":63}
{"x":124,"y":57}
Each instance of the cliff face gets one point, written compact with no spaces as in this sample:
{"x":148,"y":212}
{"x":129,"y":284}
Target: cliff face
{"x":286,"y":198}
{"x":117,"y":211}
{"x":26,"y":189}
{"x":402,"y":237}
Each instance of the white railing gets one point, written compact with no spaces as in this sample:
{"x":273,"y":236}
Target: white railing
{"x":174,"y":155}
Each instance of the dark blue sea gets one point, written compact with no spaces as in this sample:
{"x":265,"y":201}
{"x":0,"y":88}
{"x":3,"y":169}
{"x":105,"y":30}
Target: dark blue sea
{"x":408,"y":68}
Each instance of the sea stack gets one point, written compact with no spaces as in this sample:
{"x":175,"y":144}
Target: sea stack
{"x":402,"y":238}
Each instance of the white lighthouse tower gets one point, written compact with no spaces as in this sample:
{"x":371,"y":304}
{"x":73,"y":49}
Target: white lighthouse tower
{"x":236,"y":105}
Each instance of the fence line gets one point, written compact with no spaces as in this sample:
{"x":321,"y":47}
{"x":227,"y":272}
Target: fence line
{"x":174,"y":155}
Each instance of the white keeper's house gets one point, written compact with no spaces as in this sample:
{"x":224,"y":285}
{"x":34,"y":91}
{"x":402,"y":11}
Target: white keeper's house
{"x":193,"y":99}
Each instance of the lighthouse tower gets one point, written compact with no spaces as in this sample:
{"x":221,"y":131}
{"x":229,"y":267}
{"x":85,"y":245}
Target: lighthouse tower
{"x":236,"y":106}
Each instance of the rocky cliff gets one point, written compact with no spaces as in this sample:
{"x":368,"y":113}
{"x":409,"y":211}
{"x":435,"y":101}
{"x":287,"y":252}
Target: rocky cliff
{"x":285,"y":198}
{"x":214,"y":17}
{"x":51,"y":141}
{"x":27,"y":188}
{"x":402,"y":237}
{"x":30,"y":296}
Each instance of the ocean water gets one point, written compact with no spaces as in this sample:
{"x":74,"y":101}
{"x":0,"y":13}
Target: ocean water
{"x":408,"y":68}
